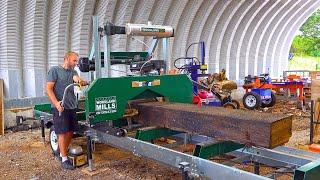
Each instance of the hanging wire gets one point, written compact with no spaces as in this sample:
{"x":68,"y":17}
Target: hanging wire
{"x":140,"y":41}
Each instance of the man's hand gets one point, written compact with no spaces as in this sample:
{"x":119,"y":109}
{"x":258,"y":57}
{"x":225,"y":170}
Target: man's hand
{"x":79,"y":80}
{"x":83,"y":82}
{"x":59,"y":106}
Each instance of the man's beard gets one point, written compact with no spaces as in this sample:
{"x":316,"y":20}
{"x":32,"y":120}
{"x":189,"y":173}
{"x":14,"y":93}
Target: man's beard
{"x":72,"y":66}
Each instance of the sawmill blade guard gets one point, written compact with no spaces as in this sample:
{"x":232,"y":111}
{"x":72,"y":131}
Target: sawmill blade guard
{"x":106,"y":98}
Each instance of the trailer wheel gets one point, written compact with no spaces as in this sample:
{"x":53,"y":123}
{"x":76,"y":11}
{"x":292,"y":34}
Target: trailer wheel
{"x":270,"y":102}
{"x":251,"y":101}
{"x":53,"y":137}
{"x":229,"y":105}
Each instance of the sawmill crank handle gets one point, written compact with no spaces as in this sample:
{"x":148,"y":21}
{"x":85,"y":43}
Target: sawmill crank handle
{"x":65,"y":92}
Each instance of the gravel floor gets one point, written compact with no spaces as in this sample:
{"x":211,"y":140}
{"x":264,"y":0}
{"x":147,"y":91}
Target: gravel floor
{"x":24,"y":156}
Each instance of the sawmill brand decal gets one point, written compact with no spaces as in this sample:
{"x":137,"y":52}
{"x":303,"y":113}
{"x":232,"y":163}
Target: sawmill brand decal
{"x":143,"y":29}
{"x":106,"y":105}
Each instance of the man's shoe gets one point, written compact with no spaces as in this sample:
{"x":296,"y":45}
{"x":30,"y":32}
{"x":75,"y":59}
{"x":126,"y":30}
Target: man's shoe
{"x":67,"y":165}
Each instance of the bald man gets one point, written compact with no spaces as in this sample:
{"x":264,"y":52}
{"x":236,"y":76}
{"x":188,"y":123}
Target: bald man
{"x":64,"y":117}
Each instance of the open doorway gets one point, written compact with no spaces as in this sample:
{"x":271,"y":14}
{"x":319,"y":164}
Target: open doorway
{"x":305,"y":48}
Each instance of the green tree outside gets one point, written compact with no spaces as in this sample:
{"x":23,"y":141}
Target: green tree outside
{"x":306,"y":47}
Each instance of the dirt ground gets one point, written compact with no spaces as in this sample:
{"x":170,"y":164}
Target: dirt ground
{"x":24,"y":156}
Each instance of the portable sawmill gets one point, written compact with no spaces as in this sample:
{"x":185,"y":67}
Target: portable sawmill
{"x":131,"y":112}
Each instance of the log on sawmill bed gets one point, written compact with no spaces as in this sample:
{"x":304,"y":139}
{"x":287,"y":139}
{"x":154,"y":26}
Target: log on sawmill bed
{"x":261,"y":129}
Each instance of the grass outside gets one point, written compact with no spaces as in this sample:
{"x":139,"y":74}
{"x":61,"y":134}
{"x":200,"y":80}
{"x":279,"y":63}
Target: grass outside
{"x":304,"y":63}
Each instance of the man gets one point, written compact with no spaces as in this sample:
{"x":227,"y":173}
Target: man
{"x":64,"y":117}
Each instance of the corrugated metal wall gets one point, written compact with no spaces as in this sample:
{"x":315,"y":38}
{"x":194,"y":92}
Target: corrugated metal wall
{"x":11,"y":47}
{"x":242,"y":36}
{"x":34,"y":47}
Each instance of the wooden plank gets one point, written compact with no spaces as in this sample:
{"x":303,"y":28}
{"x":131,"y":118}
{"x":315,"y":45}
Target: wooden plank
{"x":316,"y":129}
{"x":260,"y":129}
{"x":1,"y":108}
{"x":315,"y":94}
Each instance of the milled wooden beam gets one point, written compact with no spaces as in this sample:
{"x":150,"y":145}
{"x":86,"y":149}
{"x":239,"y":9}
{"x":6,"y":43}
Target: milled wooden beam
{"x":261,"y":129}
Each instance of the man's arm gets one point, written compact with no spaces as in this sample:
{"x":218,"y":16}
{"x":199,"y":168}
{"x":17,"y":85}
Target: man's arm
{"x":52,"y":97}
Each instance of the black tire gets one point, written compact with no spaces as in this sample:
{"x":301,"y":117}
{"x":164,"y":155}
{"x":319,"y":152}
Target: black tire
{"x":251,"y":101}
{"x":270,"y":102}
{"x":229,"y":105}
{"x":225,"y":100}
{"x":53,"y":138}
{"x":229,"y":99}
{"x":122,"y":132}
{"x":236,"y":103}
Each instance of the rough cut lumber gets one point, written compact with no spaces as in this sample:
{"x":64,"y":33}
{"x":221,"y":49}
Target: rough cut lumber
{"x":260,"y":129}
{"x":316,"y":119}
{"x":1,"y":108}
{"x":315,"y":85}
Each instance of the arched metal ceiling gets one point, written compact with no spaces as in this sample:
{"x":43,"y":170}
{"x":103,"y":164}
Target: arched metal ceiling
{"x":242,"y":36}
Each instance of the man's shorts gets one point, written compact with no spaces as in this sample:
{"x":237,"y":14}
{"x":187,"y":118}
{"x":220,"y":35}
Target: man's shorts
{"x":66,"y":122}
